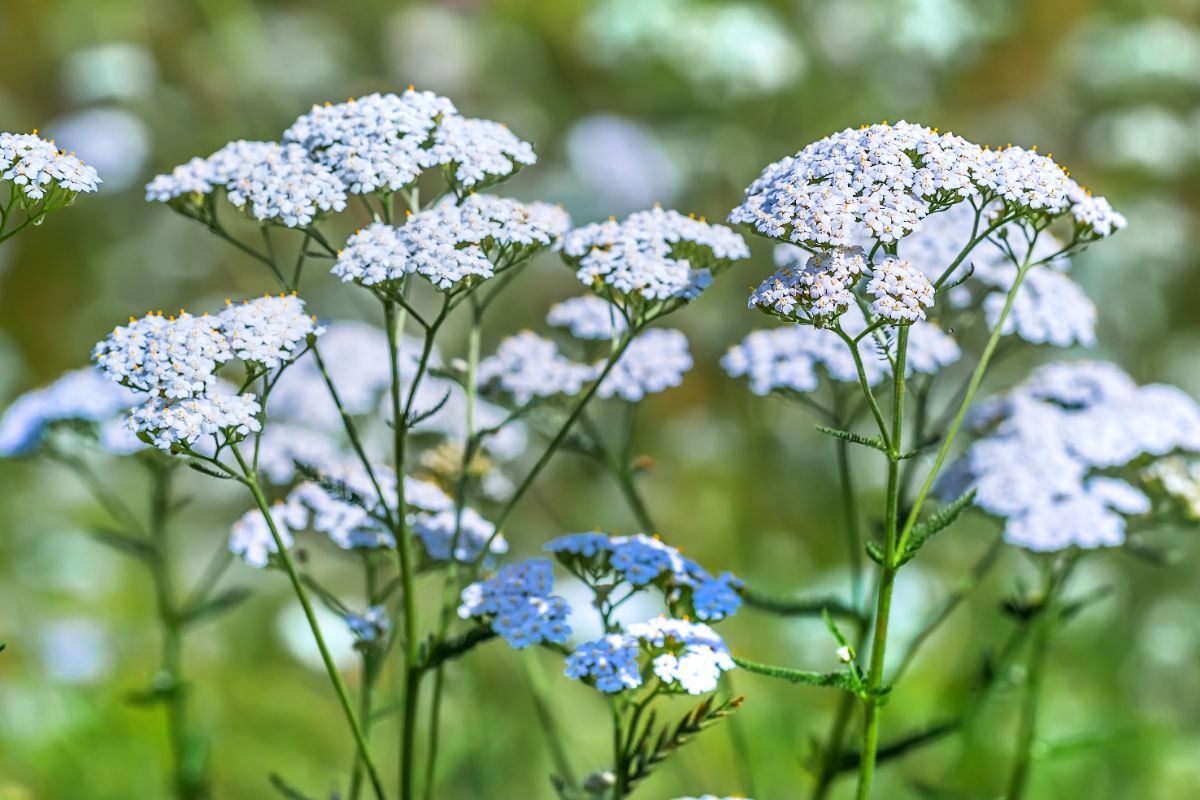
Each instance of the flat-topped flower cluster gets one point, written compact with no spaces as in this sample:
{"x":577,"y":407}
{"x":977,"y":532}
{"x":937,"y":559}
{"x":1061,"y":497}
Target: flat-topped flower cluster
{"x":172,"y":362}
{"x":35,"y":166}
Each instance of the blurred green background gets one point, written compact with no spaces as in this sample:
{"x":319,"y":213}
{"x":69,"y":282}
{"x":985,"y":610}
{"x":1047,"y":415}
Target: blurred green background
{"x":628,"y":102}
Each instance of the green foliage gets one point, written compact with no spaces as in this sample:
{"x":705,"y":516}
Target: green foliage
{"x":649,"y":750}
{"x":874,"y":442}
{"x":943,"y":518}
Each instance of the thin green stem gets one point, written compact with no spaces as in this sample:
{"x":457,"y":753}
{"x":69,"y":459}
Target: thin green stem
{"x":1027,"y":732}
{"x":250,"y":479}
{"x":972,"y":387}
{"x":887,"y":578}
{"x":412,"y":656}
{"x":535,"y":676}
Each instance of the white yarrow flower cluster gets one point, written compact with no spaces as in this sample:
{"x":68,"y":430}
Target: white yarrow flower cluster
{"x":653,"y":255}
{"x":272,"y":182}
{"x":373,"y":143}
{"x":175,"y":360}
{"x":901,"y":291}
{"x":451,"y":242}
{"x":251,"y":539}
{"x":35,"y":166}
{"x":587,"y":317}
{"x":822,"y":288}
{"x":653,"y":362}
{"x":479,"y":151}
{"x":519,"y":604}
{"x":268,"y":331}
{"x":793,"y":358}
{"x":880,"y":181}
{"x":530,"y":367}
{"x":1045,"y":443}
{"x":81,"y":394}
{"x":684,"y":655}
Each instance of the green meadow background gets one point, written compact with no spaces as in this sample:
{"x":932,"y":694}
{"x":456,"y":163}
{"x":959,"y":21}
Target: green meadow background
{"x":628,"y":102}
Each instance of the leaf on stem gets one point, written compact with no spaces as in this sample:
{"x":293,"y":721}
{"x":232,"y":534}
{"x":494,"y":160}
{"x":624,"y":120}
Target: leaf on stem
{"x":800,"y":606}
{"x":831,"y":680}
{"x":286,"y":789}
{"x":124,"y":543}
{"x":943,"y":518}
{"x":225,"y":601}
{"x":649,"y":750}
{"x":436,"y":653}
{"x":873,"y":442}
{"x":203,"y":470}
{"x":417,"y":419}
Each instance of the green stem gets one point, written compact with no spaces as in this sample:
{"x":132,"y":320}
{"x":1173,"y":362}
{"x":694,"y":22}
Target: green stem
{"x":250,"y":479}
{"x":451,"y":587}
{"x":960,"y":415}
{"x":412,"y":654}
{"x":553,"y":446}
{"x":1019,"y":779}
{"x":887,"y":578}
{"x":535,"y":676}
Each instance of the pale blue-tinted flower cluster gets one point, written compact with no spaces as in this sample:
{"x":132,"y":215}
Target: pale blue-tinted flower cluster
{"x":251,"y":539}
{"x":652,"y":255}
{"x":822,"y":288}
{"x":519,"y":603}
{"x":272,"y":182}
{"x":642,"y":560}
{"x":792,"y":358}
{"x":587,"y":317}
{"x":451,"y":242}
{"x":35,"y":166}
{"x":371,"y":626}
{"x":527,"y":366}
{"x":83,"y":394}
{"x":1045,"y":445}
{"x":1049,"y":308}
{"x":685,"y":655}
{"x":653,"y":362}
{"x":175,"y":361}
{"x":460,"y":535}
{"x":284,"y":445}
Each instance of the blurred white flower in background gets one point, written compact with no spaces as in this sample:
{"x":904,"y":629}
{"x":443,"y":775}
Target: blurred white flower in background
{"x":430,"y":47}
{"x":292,"y":628}
{"x":1148,"y":137}
{"x":112,"y":140}
{"x":112,"y":71}
{"x":621,"y":163}
{"x":736,"y":49}
{"x":75,"y":650}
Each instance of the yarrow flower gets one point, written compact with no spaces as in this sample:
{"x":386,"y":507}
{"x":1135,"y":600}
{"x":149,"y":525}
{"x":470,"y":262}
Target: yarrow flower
{"x":1049,"y":308}
{"x":793,"y":358}
{"x":465,"y":532}
{"x":651,"y":255}
{"x":879,"y":182}
{"x":35,"y":166}
{"x":272,"y":182}
{"x":251,"y":539}
{"x":1045,"y":444}
{"x":376,"y":142}
{"x":689,"y":656}
{"x":587,"y":317}
{"x":82,"y":394}
{"x":642,"y":560}
{"x":268,"y":331}
{"x":902,"y":292}
{"x":519,"y":604}
{"x":478,"y":152}
{"x":174,"y":361}
{"x":822,"y":288}
{"x":653,"y":361}
{"x":283,"y":446}
{"x":527,"y":366}
{"x":452,"y":243}
{"x":371,"y":626}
